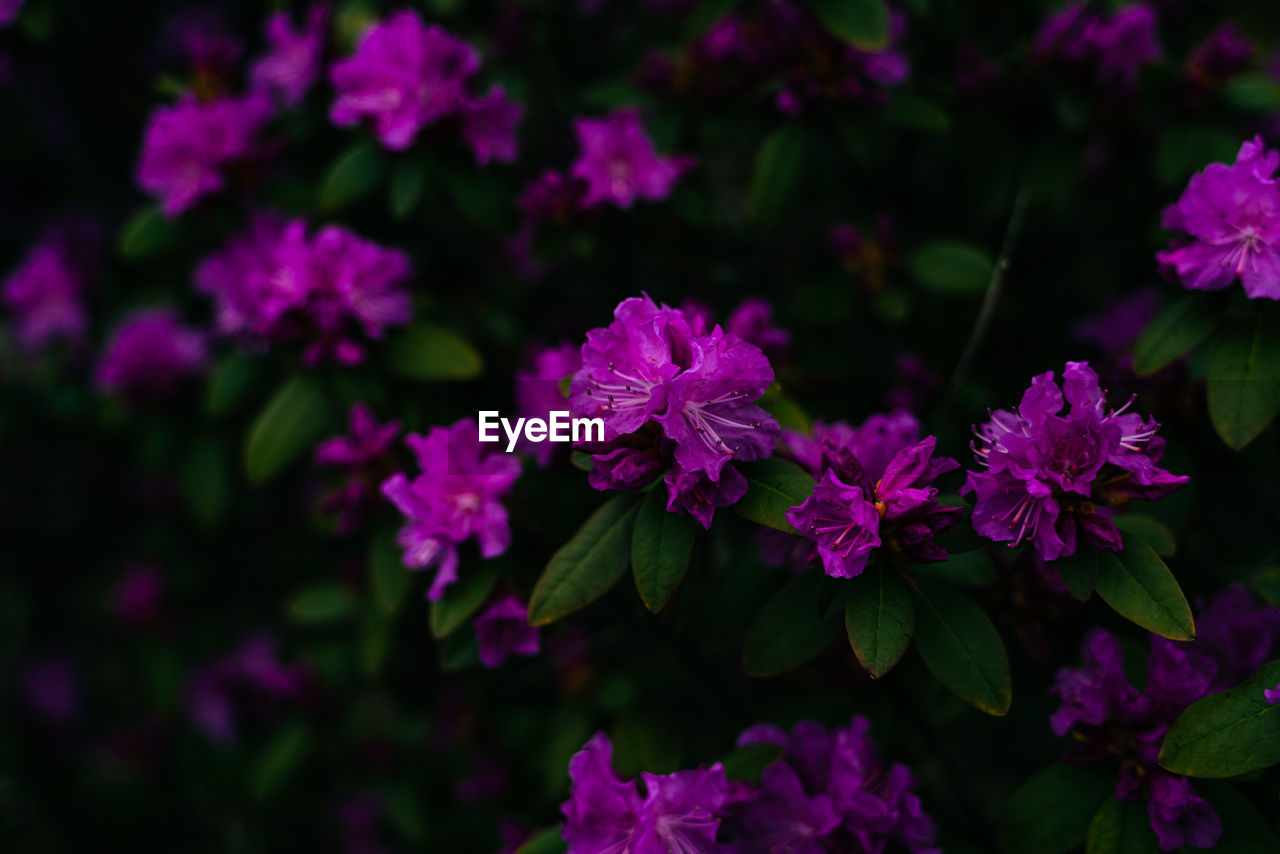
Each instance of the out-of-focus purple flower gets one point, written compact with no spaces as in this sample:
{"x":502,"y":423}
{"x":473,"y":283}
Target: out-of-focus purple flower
{"x":277,"y":283}
{"x":1223,"y":53}
{"x":1272,"y":695}
{"x":752,"y":321}
{"x":405,"y":76}
{"x":552,"y":196}
{"x":539,"y":393}
{"x":873,"y":443}
{"x":1047,"y":475}
{"x":364,"y":457}
{"x":915,"y":383}
{"x":50,"y":690}
{"x":9,"y":10}
{"x":1118,"y":324}
{"x":44,"y":293}
{"x":679,"y":812}
{"x":1238,"y":633}
{"x":503,"y":629}
{"x":149,"y":355}
{"x":619,"y":164}
{"x":187,"y":146}
{"x":250,"y":678}
{"x":1114,"y":45}
{"x":1095,"y":692}
{"x":1230,"y":216}
{"x":292,"y":64}
{"x":1179,"y":816}
{"x":456,"y":496}
{"x":489,"y":125}
{"x":138,"y":596}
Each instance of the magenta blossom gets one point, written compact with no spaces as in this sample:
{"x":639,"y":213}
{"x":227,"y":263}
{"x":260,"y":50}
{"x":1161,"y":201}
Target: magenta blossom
{"x":277,"y":283}
{"x":503,"y":629}
{"x":188,"y":145}
{"x":1223,"y":53}
{"x":456,"y":496}
{"x":364,"y":458}
{"x":45,"y":296}
{"x":292,"y":65}
{"x":9,"y":10}
{"x":138,"y":596}
{"x":1230,"y":216}
{"x":1114,"y":45}
{"x":405,"y":76}
{"x":618,"y":162}
{"x":539,"y":391}
{"x":248,"y":681}
{"x":489,"y":126}
{"x":1052,"y":477}
{"x":149,"y":355}
{"x":1272,"y":695}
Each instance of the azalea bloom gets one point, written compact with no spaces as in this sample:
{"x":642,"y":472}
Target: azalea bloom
{"x":618,"y":163}
{"x":503,"y":629}
{"x":293,"y":63}
{"x":44,"y":295}
{"x":489,"y":126}
{"x":539,"y":391}
{"x":149,"y":355}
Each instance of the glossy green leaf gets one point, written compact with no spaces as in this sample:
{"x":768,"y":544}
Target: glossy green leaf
{"x":428,"y":352}
{"x":231,"y":378}
{"x":1229,"y":733}
{"x":351,"y":176}
{"x":864,"y":24}
{"x":1079,"y":572}
{"x":287,"y":427}
{"x":774,"y":486}
{"x":587,"y":566}
{"x":1244,"y":381}
{"x":404,"y":191}
{"x":1120,"y":827}
{"x":1051,"y":812}
{"x":1138,"y":585}
{"x":965,"y":568}
{"x":778,"y":167}
{"x":879,"y":618}
{"x":1152,"y":531}
{"x":1172,"y":333}
{"x":792,"y":627}
{"x":463,"y":598}
{"x":661,"y":546}
{"x":951,"y":267}
{"x":961,"y":647}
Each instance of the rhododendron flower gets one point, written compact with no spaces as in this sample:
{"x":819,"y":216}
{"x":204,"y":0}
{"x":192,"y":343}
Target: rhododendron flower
{"x":251,"y":677}
{"x":45,"y":295}
{"x":149,"y":355}
{"x":873,"y":443}
{"x":539,"y":392}
{"x":364,"y":457}
{"x":1114,"y":45}
{"x":405,"y":76}
{"x":277,"y":283}
{"x":1272,"y":695}
{"x":618,"y":162}
{"x":1230,"y":216}
{"x":187,"y":146}
{"x":1049,"y":476}
{"x":456,"y":496}
{"x":503,"y":629}
{"x":489,"y":126}
{"x":9,"y":10}
{"x":679,"y":812}
{"x":138,"y":595}
{"x":292,"y":65}
{"x":1224,"y":52}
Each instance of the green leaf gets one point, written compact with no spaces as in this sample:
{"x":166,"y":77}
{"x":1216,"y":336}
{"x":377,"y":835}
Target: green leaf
{"x":661,"y":546}
{"x":879,"y":619}
{"x":1120,"y":827}
{"x":1138,"y":585}
{"x":232,"y":377}
{"x":961,"y":647}
{"x":1257,"y":93}
{"x":547,"y":841}
{"x":206,"y":481}
{"x":388,"y":574}
{"x":463,"y":598}
{"x":1244,"y":381}
{"x":907,"y":109}
{"x":778,"y":167}
{"x":1050,"y":813}
{"x":587,"y":566}
{"x":951,"y":267}
{"x":1244,"y":829}
{"x":774,"y":486}
{"x":352,"y":175}
{"x":146,"y":232}
{"x":1151,"y":530}
{"x":428,"y":352}
{"x":287,"y":427}
{"x":1172,"y":333}
{"x":864,"y":24}
{"x":1080,"y":571}
{"x":1266,"y":583}
{"x":748,"y":762}
{"x":322,"y":603}
{"x":280,"y":762}
{"x":405,"y":190}
{"x":1230,"y":733}
{"x":966,"y":569}
{"x":792,"y":627}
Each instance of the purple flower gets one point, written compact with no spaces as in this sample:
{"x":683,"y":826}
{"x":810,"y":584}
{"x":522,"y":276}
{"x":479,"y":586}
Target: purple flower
{"x":186,"y":147}
{"x":1230,"y":216}
{"x":1118,"y":324}
{"x":696,"y":495}
{"x":843,"y":521}
{"x":1049,"y":474}
{"x":1115,"y":45}
{"x":489,"y":126}
{"x":1096,"y":692}
{"x":503,"y":629}
{"x":247,"y":680}
{"x":50,"y":689}
{"x":551,"y":196}
{"x":873,"y":443}
{"x":149,"y":355}
{"x":363,"y":456}
{"x":1179,"y":816}
{"x":618,"y":162}
{"x":456,"y":496}
{"x":44,"y":294}
{"x":276,"y":283}
{"x":752,"y":321}
{"x":292,"y":65}
{"x":1272,"y":695}
{"x":679,"y":812}
{"x":138,"y":596}
{"x":1224,"y":52}
{"x":9,"y":10}
{"x":784,"y":817}
{"x":1237,"y":633}
{"x":405,"y":76}
{"x":538,"y":390}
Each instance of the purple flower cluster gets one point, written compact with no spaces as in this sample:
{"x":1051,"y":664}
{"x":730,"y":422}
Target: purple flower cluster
{"x":277,"y":283}
{"x":828,"y":792}
{"x":456,"y":496}
{"x":1050,"y":477}
{"x":1110,"y":717}
{"x":503,"y":629}
{"x":674,"y":398}
{"x":1229,"y":221}
{"x":45,"y":296}
{"x":1114,"y":45}
{"x":364,"y":458}
{"x":1223,"y":53}
{"x":406,"y":76}
{"x":292,"y":65}
{"x":149,"y":355}
{"x":247,"y":681}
